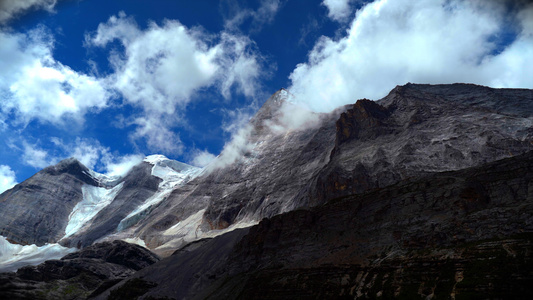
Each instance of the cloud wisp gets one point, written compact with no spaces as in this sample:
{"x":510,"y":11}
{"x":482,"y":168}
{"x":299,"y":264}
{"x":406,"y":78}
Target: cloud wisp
{"x":88,"y":151}
{"x":10,"y":9}
{"x":236,"y":15}
{"x":395,"y":42}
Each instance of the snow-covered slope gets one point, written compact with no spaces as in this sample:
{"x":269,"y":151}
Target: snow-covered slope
{"x":173,"y":174}
{"x":94,"y":200}
{"x":14,"y":256}
{"x":91,"y":203}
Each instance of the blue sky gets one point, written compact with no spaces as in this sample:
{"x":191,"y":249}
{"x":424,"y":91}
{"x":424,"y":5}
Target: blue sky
{"x":112,"y":81}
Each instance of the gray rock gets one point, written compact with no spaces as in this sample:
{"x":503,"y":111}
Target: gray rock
{"x":463,"y":233}
{"x":76,"y":275}
{"x":414,"y":131}
{"x":36,"y":211}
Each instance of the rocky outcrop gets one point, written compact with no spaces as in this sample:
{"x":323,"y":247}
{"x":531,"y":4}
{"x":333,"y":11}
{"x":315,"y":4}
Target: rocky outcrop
{"x":421,"y":129}
{"x":36,"y":211}
{"x":77,"y":275}
{"x":452,"y":235}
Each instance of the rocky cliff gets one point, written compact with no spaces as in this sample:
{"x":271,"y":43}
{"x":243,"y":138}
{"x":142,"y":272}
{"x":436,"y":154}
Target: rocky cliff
{"x":459,"y":235}
{"x":77,"y":275}
{"x":414,"y":131}
{"x":36,"y":211}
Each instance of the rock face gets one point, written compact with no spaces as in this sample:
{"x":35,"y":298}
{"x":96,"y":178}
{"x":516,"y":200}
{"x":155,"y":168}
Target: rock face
{"x":277,"y":167}
{"x":420,"y":129}
{"x":36,"y":211}
{"x":76,"y":275}
{"x":271,"y":170}
{"x":414,"y":131}
{"x":462,"y":234}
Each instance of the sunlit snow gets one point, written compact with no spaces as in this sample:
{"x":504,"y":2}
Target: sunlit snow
{"x":13,"y":256}
{"x":173,"y":174}
{"x":94,"y":200}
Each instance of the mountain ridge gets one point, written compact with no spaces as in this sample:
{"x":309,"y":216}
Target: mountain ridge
{"x":414,"y":131}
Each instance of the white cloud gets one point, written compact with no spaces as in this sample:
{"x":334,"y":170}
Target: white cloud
{"x":237,"y":15}
{"x":338,"y":10}
{"x":37,"y":157}
{"x":120,"y":166}
{"x":163,"y":67}
{"x":87,"y":151}
{"x":202,"y":158}
{"x":157,"y":134}
{"x":90,"y":152}
{"x":12,"y":8}
{"x":395,"y":42}
{"x":234,"y":149}
{"x":7,"y":178}
{"x":36,"y":86}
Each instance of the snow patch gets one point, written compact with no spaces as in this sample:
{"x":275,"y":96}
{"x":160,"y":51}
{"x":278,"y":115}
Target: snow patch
{"x":187,"y":227}
{"x":94,"y":200}
{"x":173,"y":174}
{"x":189,"y":230}
{"x":284,"y":95}
{"x":13,"y":256}
{"x":102,"y":179}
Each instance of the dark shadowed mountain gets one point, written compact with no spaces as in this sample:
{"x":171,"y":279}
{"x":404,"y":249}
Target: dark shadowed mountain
{"x":465,"y":234}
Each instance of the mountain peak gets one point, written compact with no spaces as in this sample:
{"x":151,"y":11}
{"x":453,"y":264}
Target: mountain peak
{"x":70,"y":165}
{"x":272,"y":106}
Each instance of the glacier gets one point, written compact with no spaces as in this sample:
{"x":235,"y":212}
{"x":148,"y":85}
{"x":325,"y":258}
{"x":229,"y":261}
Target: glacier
{"x":94,"y":200}
{"x":173,"y":175}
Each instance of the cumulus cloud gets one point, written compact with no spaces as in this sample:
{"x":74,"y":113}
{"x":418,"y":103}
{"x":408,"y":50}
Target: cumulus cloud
{"x":35,"y":86}
{"x":395,"y":42}
{"x":202,"y":158}
{"x":163,"y":67}
{"x":338,"y":10}
{"x":12,"y":8}
{"x":7,"y":178}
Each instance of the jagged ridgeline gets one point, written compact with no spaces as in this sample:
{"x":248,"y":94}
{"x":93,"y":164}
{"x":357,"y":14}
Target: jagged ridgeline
{"x":419,"y":194}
